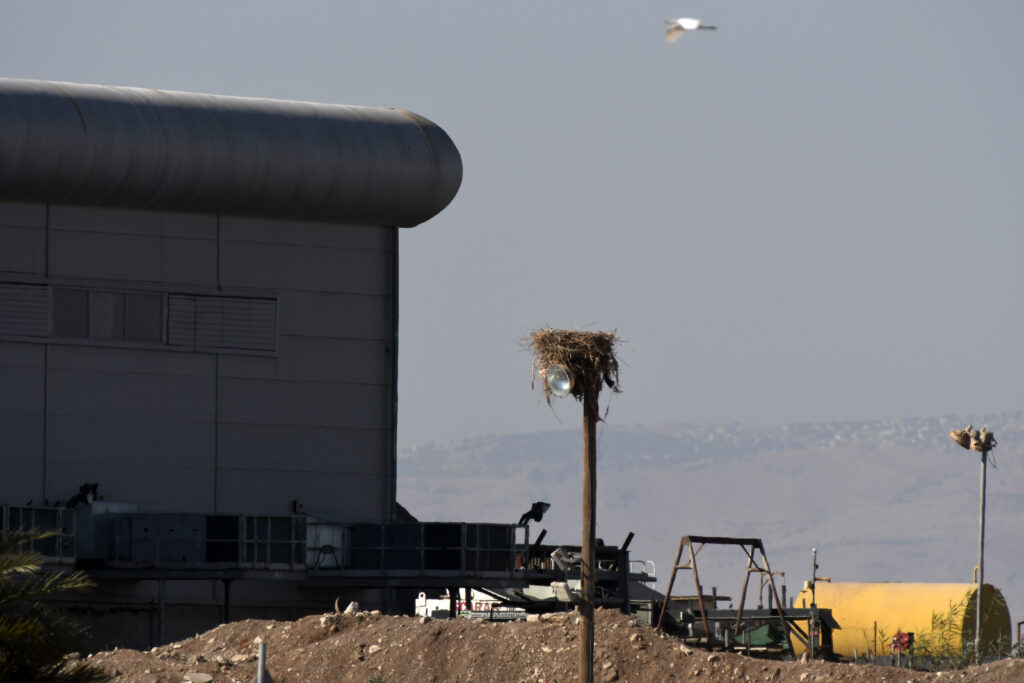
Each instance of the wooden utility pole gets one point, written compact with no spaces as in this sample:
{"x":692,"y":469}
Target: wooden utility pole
{"x":577,"y":362}
{"x":588,"y":566}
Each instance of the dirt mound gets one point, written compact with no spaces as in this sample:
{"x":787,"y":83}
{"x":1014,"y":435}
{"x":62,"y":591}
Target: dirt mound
{"x":396,"y":649}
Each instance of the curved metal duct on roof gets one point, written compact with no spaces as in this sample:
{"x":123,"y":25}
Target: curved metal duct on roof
{"x":92,"y":145}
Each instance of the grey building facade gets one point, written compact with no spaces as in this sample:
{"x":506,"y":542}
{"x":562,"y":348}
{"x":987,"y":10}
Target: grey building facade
{"x":198,"y":332}
{"x":183,"y":319}
{"x":198,"y":344}
{"x":203,"y":363}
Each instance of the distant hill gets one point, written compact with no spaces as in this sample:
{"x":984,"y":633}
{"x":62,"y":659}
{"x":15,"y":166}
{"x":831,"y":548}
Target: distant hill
{"x":891,"y":500}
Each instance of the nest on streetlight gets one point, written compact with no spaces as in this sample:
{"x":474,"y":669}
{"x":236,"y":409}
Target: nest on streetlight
{"x":589,"y":356}
{"x":976,"y":440}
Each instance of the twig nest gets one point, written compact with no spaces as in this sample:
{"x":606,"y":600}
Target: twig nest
{"x":589,"y":356}
{"x":962,"y":436}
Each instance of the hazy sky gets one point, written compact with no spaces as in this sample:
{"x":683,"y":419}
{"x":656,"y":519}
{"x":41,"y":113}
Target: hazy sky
{"x":813,"y":213}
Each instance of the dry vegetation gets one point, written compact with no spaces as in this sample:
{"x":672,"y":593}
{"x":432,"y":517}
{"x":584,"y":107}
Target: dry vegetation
{"x":370,"y":647}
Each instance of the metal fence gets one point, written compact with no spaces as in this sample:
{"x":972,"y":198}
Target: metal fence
{"x":58,"y":545}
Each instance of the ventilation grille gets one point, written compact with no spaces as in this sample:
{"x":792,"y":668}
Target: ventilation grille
{"x":25,"y":310}
{"x":216,"y":322}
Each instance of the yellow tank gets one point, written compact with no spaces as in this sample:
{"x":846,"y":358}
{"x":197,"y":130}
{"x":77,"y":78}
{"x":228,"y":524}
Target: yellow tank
{"x":861,"y":608}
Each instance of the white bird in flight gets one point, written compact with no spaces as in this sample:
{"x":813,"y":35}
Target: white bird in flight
{"x":677,"y":27}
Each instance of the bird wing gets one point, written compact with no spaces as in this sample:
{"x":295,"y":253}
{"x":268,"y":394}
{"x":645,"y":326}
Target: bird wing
{"x":673,"y":33}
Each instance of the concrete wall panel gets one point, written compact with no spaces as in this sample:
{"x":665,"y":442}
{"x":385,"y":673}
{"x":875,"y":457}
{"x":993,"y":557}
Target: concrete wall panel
{"x":110,"y":221}
{"x":105,"y":256}
{"x":140,"y":246}
{"x":131,"y":222}
{"x":306,"y":404}
{"x":345,"y":361}
{"x":341,"y":498}
{"x":22,"y":250}
{"x":133,"y":258}
{"x":326,"y":450}
{"x":285,"y":266}
{"x":188,"y":261}
{"x":156,"y":487}
{"x":130,"y":395}
{"x":21,"y":377}
{"x":21,"y":422}
{"x":299,"y":233}
{"x":111,"y":442}
{"x":342,"y":316}
{"x":21,"y":457}
{"x":131,"y":361}
{"x":22,"y":215}
{"x":22,"y":238}
{"x":149,"y":423}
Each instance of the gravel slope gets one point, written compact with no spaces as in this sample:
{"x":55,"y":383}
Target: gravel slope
{"x":396,"y":649}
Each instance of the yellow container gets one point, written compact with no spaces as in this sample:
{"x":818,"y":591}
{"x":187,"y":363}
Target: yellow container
{"x":868,"y":612}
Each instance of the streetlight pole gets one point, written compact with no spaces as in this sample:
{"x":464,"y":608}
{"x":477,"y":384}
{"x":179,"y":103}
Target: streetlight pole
{"x":981,"y":562}
{"x":982,"y":441}
{"x":812,"y":622}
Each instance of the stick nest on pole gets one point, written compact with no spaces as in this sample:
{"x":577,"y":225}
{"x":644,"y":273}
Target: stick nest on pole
{"x":589,"y":356}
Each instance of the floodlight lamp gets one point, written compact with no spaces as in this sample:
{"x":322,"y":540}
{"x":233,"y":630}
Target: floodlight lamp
{"x":559,"y":380}
{"x":536,"y":513}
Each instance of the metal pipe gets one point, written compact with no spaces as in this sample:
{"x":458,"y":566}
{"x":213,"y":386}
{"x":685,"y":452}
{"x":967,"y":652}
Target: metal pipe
{"x":622,"y":567}
{"x":393,"y":462}
{"x":811,"y":624}
{"x":160,"y":611}
{"x":261,"y":667}
{"x":227,"y":601}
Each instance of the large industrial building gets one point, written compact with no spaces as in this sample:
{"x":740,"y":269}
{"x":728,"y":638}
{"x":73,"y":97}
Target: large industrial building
{"x":199,"y":297}
{"x":198,"y":343}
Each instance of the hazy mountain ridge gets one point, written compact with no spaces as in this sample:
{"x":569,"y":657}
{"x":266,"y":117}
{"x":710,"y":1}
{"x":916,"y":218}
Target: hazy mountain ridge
{"x":886,"y":500}
{"x":695,"y":441}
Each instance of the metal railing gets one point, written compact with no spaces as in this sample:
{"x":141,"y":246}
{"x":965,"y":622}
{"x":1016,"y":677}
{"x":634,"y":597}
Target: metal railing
{"x":56,"y":548}
{"x":429,"y":548}
{"x":131,"y":540}
{"x":217,"y":541}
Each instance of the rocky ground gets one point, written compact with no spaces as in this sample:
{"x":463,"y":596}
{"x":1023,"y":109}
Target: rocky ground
{"x":370,"y":647}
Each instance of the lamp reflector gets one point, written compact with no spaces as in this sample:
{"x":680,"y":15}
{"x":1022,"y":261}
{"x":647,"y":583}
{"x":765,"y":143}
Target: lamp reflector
{"x":559,"y":380}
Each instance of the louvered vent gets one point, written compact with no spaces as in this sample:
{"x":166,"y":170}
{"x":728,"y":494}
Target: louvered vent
{"x":217,"y":322}
{"x":24,"y":310}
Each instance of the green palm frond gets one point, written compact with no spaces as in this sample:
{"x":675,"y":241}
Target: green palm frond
{"x":14,"y":559}
{"x":33,"y":640}
{"x":35,"y":585}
